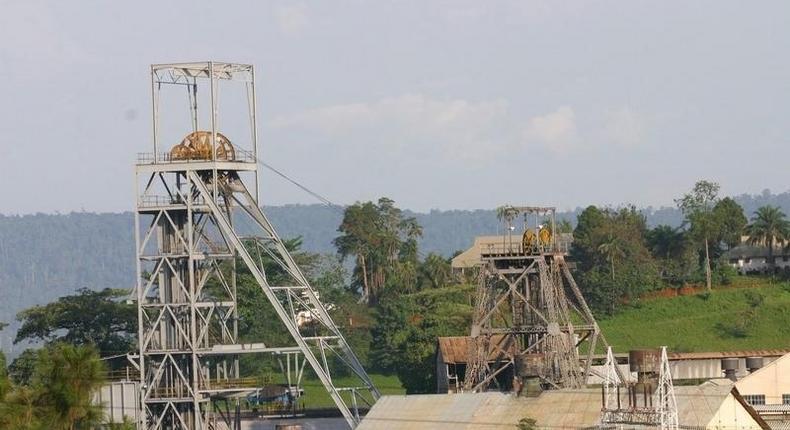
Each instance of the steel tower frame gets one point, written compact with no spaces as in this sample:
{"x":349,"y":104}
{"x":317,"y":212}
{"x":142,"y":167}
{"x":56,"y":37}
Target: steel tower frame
{"x":188,"y":249}
{"x":659,"y":409}
{"x":530,"y":317}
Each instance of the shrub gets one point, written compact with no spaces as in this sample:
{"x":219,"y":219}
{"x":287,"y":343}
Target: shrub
{"x":527,"y":423}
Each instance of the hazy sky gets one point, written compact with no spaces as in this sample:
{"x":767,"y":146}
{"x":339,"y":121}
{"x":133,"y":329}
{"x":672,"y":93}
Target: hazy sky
{"x":441,"y":104}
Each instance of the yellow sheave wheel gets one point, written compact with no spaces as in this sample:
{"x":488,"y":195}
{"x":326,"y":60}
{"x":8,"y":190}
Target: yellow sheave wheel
{"x":197,"y":146}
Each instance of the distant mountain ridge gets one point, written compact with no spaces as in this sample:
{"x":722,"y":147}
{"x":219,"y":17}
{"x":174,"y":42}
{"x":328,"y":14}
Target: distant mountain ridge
{"x":45,"y":256}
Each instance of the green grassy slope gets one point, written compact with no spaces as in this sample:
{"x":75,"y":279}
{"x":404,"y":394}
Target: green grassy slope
{"x":751,"y":314}
{"x":316,"y":396}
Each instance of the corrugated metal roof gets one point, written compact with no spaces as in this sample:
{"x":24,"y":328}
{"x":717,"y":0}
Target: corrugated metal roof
{"x":727,"y":354}
{"x":471,"y":257}
{"x":456,"y":349}
{"x":552,"y":409}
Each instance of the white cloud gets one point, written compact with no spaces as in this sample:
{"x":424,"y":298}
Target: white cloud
{"x":624,"y":127}
{"x":292,"y":19}
{"x":555,"y":131}
{"x":459,"y":128}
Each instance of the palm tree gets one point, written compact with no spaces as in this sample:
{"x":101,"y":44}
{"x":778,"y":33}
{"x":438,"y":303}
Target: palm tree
{"x":769,"y":226}
{"x":611,"y":249}
{"x":435,"y":270}
{"x":68,"y":377}
{"x":18,"y":410}
{"x":666,"y":242}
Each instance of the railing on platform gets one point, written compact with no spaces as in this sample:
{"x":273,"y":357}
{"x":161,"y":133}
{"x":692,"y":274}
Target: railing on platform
{"x":240,"y":156}
{"x":148,"y":201}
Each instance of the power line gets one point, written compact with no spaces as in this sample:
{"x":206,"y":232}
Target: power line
{"x":315,"y":194}
{"x":304,"y":188}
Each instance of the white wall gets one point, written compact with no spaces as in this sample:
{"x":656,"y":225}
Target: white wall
{"x":732,"y":416}
{"x":118,"y":400}
{"x":772,"y":380}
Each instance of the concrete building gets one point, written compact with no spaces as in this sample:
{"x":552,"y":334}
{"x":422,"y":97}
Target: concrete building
{"x":754,"y":259}
{"x":707,"y":406}
{"x":768,"y":390}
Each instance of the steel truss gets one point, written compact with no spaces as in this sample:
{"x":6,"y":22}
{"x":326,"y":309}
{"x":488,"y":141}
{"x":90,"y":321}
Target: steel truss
{"x":189,"y":250}
{"x":659,"y":409}
{"x":531,"y":320}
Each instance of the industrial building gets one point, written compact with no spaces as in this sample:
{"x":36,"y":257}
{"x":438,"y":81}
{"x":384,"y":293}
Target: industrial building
{"x":452,"y":352}
{"x":767,"y":389}
{"x":707,"y":406}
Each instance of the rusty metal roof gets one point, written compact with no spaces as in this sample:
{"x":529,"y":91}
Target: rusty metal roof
{"x":456,"y":349}
{"x":727,"y":354}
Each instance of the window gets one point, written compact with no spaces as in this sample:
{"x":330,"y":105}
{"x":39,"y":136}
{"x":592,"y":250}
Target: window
{"x":755,"y":399}
{"x":785,"y":258}
{"x":786,"y":399}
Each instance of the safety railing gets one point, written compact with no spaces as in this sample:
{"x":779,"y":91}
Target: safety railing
{"x":516,"y":248}
{"x":240,"y":156}
{"x":149,"y":201}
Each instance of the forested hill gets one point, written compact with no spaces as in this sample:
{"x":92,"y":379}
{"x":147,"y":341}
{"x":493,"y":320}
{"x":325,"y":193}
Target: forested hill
{"x":43,"y":257}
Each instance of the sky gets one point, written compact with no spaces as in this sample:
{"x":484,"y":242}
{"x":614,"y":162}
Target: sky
{"x":435,"y":104}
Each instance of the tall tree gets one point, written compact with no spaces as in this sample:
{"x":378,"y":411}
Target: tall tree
{"x":435,"y":271}
{"x":769,"y":226}
{"x":60,"y":394}
{"x":612,"y":249}
{"x":730,"y":220}
{"x":611,"y":256}
{"x":670,"y":245}
{"x":586,"y":236}
{"x":666,"y":242}
{"x":697,"y":206}
{"x":68,"y":376}
{"x":99,"y":318}
{"x":382,"y":240}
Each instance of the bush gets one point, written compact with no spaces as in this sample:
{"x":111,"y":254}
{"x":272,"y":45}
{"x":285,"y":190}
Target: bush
{"x":723,"y":274}
{"x":754,"y":298}
{"x":527,"y":424}
{"x":738,"y":329}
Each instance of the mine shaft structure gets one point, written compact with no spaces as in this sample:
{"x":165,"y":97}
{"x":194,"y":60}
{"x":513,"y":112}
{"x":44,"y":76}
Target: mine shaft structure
{"x":193,"y":201}
{"x":532,"y":329}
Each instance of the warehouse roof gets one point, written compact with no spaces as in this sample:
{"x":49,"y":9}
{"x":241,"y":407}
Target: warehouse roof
{"x":456,"y":349}
{"x":697,"y":406}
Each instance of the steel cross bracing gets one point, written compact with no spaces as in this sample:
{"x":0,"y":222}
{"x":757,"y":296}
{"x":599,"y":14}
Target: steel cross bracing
{"x":189,"y":250}
{"x":524,"y":315}
{"x":531,"y":320}
{"x":662,"y":412}
{"x":184,"y":324}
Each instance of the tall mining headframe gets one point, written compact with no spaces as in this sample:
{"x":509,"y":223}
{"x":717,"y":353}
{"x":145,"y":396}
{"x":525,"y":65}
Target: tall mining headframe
{"x":194,"y":193}
{"x":532,"y":329}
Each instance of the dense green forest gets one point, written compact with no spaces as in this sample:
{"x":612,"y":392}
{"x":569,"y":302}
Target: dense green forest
{"x":45,"y":256}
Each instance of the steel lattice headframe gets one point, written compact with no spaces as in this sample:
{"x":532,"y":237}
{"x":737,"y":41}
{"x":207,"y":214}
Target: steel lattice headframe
{"x":531,"y":322}
{"x":190,"y":203}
